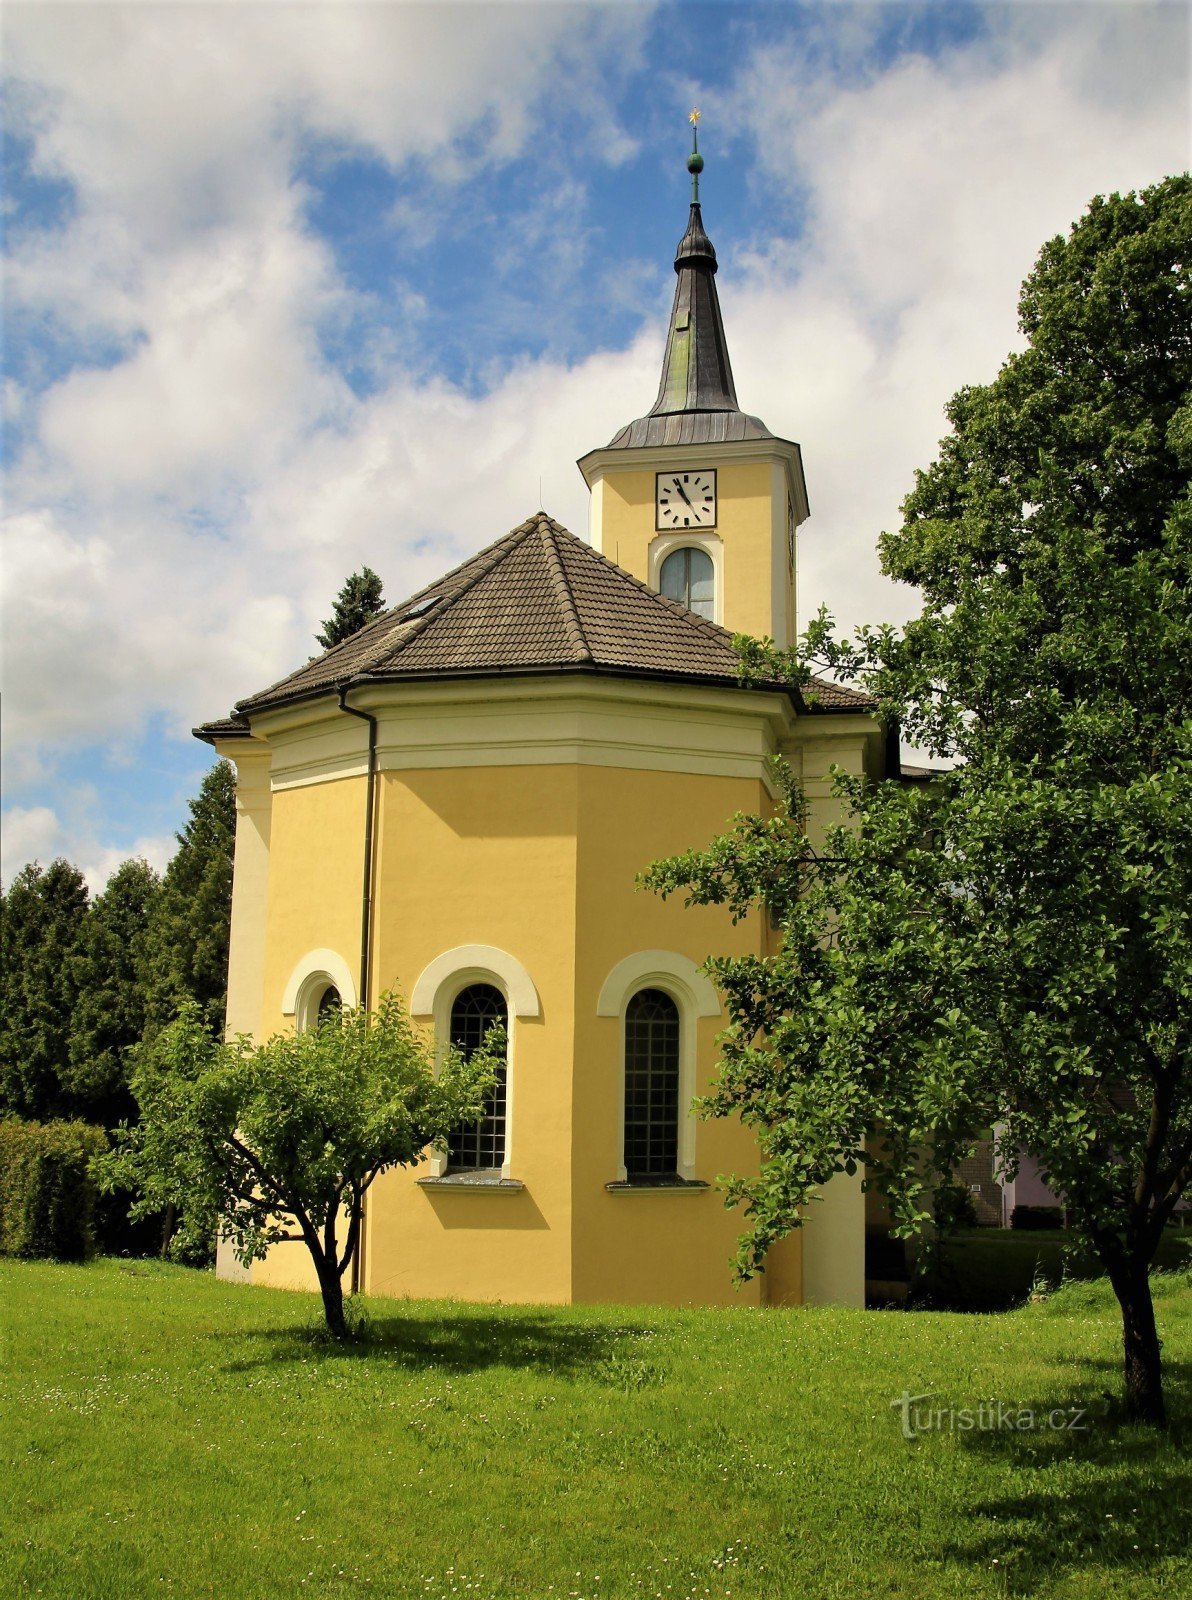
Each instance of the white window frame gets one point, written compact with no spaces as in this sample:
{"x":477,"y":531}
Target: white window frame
{"x":695,"y":997}
{"x":435,"y":993}
{"x":318,"y":971}
{"x":664,"y":544}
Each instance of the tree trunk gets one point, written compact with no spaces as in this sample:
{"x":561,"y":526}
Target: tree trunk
{"x":331,"y":1285}
{"x":169,"y":1223}
{"x":1140,"y":1344}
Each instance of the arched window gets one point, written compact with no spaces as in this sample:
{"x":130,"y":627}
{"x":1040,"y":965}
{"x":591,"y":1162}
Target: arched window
{"x":687,"y":575}
{"x":651,"y":1086}
{"x":479,"y":1147}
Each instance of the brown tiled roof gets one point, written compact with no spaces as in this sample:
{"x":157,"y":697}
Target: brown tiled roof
{"x":538,"y":600}
{"x":823,"y":695}
{"x":224,"y":728}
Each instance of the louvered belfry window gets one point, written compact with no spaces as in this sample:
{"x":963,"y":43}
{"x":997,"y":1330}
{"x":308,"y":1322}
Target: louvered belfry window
{"x":651,"y":1086}
{"x":479,"y":1147}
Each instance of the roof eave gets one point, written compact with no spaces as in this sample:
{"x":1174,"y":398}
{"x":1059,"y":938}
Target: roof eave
{"x":570,"y":669}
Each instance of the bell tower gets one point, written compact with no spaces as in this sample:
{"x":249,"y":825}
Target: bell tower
{"x":697,"y":498}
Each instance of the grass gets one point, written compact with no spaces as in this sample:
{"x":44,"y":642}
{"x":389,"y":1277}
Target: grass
{"x":167,"y":1434}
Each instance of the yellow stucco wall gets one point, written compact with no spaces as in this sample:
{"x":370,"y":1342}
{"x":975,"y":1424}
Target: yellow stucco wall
{"x":758,"y":584}
{"x":539,"y":862}
{"x":484,"y":856}
{"x":664,"y":1247}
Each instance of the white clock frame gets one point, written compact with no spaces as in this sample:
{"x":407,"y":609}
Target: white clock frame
{"x":689,"y":472}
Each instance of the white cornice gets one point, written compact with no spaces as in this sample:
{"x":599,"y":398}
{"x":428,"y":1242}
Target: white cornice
{"x":547,"y":721}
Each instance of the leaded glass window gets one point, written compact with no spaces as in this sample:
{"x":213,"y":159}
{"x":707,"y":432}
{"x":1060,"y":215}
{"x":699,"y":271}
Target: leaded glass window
{"x":687,"y":575}
{"x":479,"y":1147}
{"x":651,"y":1086}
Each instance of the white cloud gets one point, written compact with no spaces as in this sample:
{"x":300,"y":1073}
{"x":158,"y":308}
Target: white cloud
{"x":38,"y":833}
{"x":186,"y":511}
{"x":929,"y":188}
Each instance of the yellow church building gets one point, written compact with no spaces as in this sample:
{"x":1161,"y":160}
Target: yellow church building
{"x":455,"y":803}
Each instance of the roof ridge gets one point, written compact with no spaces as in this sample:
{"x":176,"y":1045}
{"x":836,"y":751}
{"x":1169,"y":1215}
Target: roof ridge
{"x":483,"y":561}
{"x":549,"y":531}
{"x":392,"y":614}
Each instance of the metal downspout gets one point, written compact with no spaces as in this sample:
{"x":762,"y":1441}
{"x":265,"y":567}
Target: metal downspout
{"x":366,"y":903}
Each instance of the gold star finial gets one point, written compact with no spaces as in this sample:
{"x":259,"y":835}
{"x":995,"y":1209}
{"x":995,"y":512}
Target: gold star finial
{"x":694,"y":117}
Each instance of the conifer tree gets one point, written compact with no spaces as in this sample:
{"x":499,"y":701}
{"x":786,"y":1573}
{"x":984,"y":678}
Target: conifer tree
{"x":358,"y":602}
{"x":187,"y":940}
{"x":44,"y":915}
{"x":110,"y":1013}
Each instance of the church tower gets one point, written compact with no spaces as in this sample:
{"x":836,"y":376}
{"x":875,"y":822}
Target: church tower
{"x":697,"y":498}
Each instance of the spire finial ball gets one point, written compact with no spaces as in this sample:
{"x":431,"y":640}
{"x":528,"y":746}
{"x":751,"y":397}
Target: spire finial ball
{"x":695,"y":162}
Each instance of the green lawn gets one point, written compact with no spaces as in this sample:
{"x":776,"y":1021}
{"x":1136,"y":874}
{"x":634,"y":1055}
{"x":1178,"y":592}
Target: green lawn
{"x":166,"y":1434}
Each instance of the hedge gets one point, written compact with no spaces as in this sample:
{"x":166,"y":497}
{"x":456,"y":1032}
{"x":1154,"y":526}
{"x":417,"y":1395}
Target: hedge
{"x":1037,"y":1218}
{"x":47,"y":1196}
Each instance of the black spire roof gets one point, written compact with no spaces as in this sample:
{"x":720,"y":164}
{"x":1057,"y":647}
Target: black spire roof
{"x":697,"y":402}
{"x":696,"y":373}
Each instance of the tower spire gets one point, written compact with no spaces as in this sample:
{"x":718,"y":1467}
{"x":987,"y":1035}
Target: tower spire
{"x":696,"y":373}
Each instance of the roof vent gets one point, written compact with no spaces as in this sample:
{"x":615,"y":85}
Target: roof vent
{"x":420,"y":608}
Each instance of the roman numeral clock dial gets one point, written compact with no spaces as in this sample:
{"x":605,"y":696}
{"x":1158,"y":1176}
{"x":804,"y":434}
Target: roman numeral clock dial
{"x":685,"y":500}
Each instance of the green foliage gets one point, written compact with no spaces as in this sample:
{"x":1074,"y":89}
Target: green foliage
{"x":281,"y":1141}
{"x":47,"y":1194}
{"x":43,"y":916}
{"x":110,"y":1012}
{"x":358,"y":602}
{"x":1011,"y":945}
{"x":952,"y":1207}
{"x":186,"y":946}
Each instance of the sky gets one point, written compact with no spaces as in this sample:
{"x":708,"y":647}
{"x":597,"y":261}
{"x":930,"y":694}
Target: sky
{"x":291,"y":288}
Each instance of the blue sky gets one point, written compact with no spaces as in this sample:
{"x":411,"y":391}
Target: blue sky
{"x":293,"y":287}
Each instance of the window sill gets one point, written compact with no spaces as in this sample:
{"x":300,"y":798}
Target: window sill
{"x":485,"y":1182}
{"x":657,"y":1186}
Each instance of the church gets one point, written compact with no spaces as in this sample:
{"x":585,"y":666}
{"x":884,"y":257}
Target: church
{"x":455,"y":804}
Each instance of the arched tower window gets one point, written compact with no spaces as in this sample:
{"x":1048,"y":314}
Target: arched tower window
{"x":687,"y":575}
{"x":651,"y":1086}
{"x":481,"y":1146}
{"x":330,"y":1003}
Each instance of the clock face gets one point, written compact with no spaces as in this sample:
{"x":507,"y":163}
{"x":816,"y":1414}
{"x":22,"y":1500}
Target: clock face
{"x":686,"y":499}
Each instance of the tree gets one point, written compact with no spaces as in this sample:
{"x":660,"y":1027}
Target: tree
{"x":44,"y":915}
{"x":1010,"y":945}
{"x":110,"y":1012}
{"x":282,"y":1141}
{"x":186,"y":946}
{"x":358,"y":602}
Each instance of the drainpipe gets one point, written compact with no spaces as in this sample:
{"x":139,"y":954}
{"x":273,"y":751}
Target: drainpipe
{"x":366,"y":900}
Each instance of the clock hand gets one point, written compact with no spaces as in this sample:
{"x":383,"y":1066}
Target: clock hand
{"x":683,"y":492}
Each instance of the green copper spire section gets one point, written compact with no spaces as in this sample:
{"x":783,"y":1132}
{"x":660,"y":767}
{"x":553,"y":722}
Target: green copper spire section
{"x":696,"y":373}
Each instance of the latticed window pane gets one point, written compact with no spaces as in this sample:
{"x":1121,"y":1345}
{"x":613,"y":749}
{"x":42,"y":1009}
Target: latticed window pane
{"x":481,"y":1146}
{"x":688,"y":576}
{"x":651,"y":1085}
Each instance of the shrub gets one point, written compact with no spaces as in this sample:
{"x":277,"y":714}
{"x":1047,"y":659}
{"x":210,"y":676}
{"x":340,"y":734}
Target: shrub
{"x":47,"y":1197}
{"x":1037,"y":1217}
{"x":953,"y":1207}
